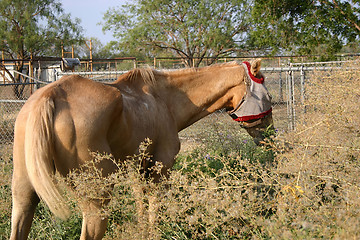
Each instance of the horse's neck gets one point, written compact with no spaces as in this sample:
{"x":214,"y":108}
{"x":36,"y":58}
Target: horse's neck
{"x":195,"y":94}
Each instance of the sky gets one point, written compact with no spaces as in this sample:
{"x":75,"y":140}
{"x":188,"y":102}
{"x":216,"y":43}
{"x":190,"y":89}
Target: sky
{"x":91,"y":13}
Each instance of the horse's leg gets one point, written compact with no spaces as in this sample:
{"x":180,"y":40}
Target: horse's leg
{"x":25,"y":201}
{"x":94,"y":221}
{"x":166,"y":156}
{"x":94,"y":224}
{"x":24,"y":197}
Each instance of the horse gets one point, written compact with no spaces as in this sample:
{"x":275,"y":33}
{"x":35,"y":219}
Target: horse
{"x":63,"y":122}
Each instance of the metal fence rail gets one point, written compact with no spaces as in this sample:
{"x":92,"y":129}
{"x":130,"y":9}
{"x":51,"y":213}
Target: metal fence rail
{"x":104,"y":76}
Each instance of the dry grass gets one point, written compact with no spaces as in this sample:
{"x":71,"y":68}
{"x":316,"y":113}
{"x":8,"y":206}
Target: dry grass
{"x":306,"y":186}
{"x":324,"y":162}
{"x":5,"y":190}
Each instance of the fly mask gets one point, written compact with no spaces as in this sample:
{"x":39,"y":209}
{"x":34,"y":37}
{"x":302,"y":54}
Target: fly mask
{"x":256,"y":104}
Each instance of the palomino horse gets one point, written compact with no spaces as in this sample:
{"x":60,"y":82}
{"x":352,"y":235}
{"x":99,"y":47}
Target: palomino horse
{"x":63,"y":122}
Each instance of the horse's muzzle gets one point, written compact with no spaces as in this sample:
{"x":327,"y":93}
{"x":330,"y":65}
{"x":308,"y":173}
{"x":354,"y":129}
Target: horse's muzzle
{"x":260,"y":129}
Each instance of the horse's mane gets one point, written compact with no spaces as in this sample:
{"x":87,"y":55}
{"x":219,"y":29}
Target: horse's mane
{"x":147,"y":75}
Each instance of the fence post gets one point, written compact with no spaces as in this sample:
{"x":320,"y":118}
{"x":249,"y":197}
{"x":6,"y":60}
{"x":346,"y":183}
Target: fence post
{"x":302,"y":84}
{"x":293,"y":100}
{"x":290,"y":88}
{"x":288,"y":107}
{"x":281,"y":99}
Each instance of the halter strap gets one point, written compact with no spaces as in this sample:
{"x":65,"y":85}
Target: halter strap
{"x":252,"y":77}
{"x":252,"y":124}
{"x":251,"y":117}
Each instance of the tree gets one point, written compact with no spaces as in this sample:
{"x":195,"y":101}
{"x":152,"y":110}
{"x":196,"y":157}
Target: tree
{"x":305,"y":26}
{"x":98,"y":49}
{"x":190,"y":29}
{"x":31,"y":28}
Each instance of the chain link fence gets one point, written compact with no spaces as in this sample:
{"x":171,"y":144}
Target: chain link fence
{"x":12,"y":98}
{"x":287,"y":85}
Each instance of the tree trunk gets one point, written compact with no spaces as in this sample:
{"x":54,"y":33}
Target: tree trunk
{"x":19,"y":89}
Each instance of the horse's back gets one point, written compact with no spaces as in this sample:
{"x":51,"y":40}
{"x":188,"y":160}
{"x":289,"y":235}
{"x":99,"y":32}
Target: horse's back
{"x":96,"y":117}
{"x":83,"y":112}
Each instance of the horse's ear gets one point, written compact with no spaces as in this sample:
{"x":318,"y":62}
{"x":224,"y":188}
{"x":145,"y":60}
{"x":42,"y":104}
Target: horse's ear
{"x":255,"y":66}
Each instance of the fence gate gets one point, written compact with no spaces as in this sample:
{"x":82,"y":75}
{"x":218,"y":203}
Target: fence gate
{"x":286,"y":85}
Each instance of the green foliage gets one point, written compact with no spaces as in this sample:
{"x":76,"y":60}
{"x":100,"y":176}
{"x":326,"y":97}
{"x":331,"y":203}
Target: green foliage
{"x":304,"y":26}
{"x":194,"y":30}
{"x":35,"y":28}
{"x":98,"y":49}
{"x":47,"y":226}
{"x":188,"y":29}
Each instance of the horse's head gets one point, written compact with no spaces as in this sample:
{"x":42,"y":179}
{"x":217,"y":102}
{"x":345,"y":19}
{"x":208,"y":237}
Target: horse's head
{"x":254,"y":111}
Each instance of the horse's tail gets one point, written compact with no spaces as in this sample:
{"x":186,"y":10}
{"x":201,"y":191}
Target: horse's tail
{"x":39,"y":155}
